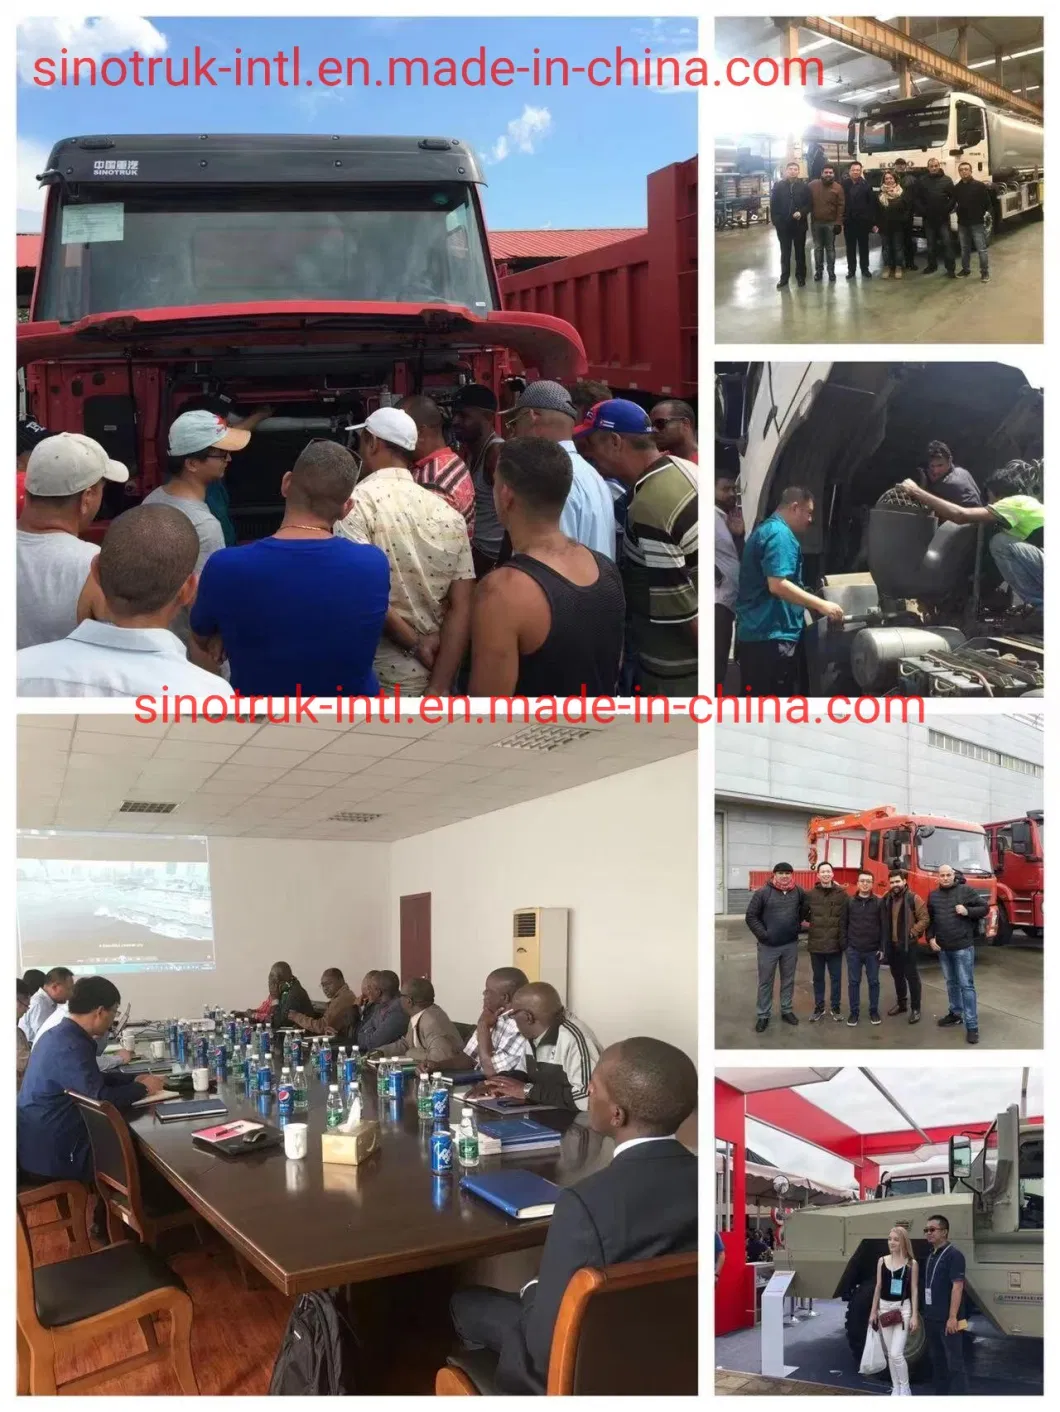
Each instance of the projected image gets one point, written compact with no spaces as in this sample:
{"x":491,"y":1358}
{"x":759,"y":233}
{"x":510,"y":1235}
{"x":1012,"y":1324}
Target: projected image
{"x":113,"y":916}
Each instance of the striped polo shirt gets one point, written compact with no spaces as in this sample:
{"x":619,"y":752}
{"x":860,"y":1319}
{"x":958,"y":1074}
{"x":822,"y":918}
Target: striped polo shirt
{"x":660,"y":560}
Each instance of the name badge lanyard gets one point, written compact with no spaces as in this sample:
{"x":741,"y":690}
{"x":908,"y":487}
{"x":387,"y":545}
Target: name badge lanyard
{"x":932,"y":1267}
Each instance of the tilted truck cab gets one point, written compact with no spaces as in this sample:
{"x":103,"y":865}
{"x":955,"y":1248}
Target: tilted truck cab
{"x":324,"y":276}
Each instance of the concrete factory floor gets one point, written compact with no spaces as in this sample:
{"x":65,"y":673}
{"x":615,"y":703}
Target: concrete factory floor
{"x":1008,"y":982}
{"x":920,"y":309}
{"x":817,"y":1348}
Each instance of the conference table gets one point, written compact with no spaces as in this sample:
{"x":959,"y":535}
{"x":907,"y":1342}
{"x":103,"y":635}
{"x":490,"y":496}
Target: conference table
{"x":309,"y":1225}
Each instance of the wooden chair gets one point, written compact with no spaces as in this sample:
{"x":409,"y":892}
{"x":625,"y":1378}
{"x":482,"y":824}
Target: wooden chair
{"x":142,"y":1201}
{"x":72,"y":1302}
{"x":71,"y":1200}
{"x":627,"y":1330}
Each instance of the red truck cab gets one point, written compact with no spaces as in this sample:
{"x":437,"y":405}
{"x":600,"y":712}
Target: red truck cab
{"x":881,"y":839}
{"x":323,"y":276}
{"x":1017,"y":852}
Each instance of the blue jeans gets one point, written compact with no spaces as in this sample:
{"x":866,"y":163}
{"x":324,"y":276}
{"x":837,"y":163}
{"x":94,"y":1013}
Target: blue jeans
{"x":970,"y":236}
{"x":834,"y":965}
{"x":1021,"y":565}
{"x":858,"y":961}
{"x":958,"y":967}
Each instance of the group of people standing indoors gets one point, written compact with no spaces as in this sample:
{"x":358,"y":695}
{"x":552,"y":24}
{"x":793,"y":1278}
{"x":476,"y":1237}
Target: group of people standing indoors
{"x":830,"y":206}
{"x":869,"y":932}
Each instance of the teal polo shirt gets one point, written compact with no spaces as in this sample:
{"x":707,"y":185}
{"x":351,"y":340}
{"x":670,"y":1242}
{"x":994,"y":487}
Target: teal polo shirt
{"x":217,"y":500}
{"x":772,"y":551}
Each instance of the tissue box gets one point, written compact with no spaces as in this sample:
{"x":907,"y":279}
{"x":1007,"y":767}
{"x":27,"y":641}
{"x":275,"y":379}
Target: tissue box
{"x":350,"y":1148}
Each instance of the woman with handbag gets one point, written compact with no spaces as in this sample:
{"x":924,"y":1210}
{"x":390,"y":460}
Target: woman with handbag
{"x":895,"y":1305}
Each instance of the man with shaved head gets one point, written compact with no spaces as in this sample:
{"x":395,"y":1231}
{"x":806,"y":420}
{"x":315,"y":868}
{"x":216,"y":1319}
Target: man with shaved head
{"x":432,"y":1038}
{"x":383,"y":1018}
{"x":342,"y":1011}
{"x":563,"y":1052}
{"x":142,"y":577}
{"x":674,"y":425}
{"x":497,"y":1044}
{"x":643,"y":1205}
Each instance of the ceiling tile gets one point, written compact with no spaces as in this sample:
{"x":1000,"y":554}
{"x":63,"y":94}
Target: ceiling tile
{"x":272,"y":759}
{"x":204,"y":748}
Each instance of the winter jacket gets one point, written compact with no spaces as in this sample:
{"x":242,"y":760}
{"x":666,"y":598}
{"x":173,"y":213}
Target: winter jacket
{"x":892,"y":214}
{"x":905,"y":921}
{"x":828,"y":203}
{"x":972,"y":201}
{"x":859,"y":202}
{"x":952,"y":931}
{"x":786,"y":198}
{"x":774,"y":917}
{"x":826,"y":911}
{"x":865,"y":929}
{"x":933,"y":197}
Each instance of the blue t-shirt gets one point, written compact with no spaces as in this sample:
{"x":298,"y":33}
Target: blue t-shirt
{"x":296,"y":613}
{"x":772,"y":551}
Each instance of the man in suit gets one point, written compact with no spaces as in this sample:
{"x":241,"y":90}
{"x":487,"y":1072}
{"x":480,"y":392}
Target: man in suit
{"x":644,"y":1204}
{"x":383,"y":1020}
{"x":431,"y":1038}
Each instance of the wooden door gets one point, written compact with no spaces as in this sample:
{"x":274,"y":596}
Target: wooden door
{"x":416,"y":935}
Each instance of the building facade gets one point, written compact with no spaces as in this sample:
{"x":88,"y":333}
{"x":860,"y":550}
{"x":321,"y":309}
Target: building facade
{"x":770,"y":780}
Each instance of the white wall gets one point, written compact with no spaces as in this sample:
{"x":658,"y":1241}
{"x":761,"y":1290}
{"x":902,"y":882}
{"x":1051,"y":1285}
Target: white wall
{"x":313,"y":904}
{"x":621,"y":853}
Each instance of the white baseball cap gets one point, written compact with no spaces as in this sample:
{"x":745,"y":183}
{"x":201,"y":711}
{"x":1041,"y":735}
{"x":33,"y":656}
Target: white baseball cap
{"x":203,"y":430}
{"x":393,"y":425}
{"x":68,"y":463}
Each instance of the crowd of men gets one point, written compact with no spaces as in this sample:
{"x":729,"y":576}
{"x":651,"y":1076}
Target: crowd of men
{"x":559,"y":558}
{"x":761,"y":598}
{"x":525,"y":1044}
{"x":869,"y":932}
{"x":829,"y":206}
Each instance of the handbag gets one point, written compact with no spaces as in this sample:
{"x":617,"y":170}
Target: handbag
{"x":892,"y":1317}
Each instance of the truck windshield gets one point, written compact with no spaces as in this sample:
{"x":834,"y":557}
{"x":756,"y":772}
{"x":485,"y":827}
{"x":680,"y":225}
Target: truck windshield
{"x":961,"y":849}
{"x":907,"y":1186}
{"x":916,"y":129}
{"x":168,"y":248}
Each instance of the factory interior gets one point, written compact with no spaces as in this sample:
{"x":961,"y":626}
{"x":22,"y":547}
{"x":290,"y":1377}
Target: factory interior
{"x":909,"y":88}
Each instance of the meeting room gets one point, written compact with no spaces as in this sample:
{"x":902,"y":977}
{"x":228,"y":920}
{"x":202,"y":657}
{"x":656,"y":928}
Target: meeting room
{"x":356,"y":1058}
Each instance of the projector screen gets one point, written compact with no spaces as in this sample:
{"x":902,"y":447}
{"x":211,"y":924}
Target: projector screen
{"x":109,"y":904}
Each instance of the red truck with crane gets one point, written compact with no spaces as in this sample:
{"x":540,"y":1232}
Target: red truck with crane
{"x":1017,"y":853}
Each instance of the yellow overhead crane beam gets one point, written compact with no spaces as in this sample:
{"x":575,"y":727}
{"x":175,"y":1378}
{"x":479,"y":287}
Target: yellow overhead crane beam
{"x":873,"y":37}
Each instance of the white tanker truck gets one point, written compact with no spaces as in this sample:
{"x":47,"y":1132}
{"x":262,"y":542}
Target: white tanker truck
{"x":1005,"y":149}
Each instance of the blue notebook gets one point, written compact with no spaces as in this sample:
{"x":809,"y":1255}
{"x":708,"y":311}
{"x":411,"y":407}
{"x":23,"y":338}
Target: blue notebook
{"x":524,"y":1195}
{"x":521,"y":1134}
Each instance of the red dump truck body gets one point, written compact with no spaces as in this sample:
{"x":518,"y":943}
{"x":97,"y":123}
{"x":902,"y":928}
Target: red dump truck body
{"x":634,"y":302}
{"x":1017,"y":852}
{"x":880,"y":839}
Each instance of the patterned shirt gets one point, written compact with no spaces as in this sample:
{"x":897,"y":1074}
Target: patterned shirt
{"x":660,"y":559}
{"x":426,"y":542}
{"x":509,"y":1048}
{"x":444,"y":472}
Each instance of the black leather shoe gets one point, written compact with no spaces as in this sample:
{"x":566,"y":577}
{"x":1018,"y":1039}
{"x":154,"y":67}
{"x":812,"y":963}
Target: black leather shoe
{"x":951,"y":274}
{"x":964,"y":273}
{"x":850,"y":275}
{"x":761,"y":1024}
{"x":897,"y":1010}
{"x":800,"y":282}
{"x":782,"y":284}
{"x":866,"y":274}
{"x":818,"y":276}
{"x":948,"y":1021}
{"x":788,"y":1017}
{"x":831,"y":279}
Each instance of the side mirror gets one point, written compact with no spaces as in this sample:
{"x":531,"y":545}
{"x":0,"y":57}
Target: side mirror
{"x":960,"y":1158}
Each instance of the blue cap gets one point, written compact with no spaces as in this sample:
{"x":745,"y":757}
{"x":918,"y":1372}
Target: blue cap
{"x":615,"y":415}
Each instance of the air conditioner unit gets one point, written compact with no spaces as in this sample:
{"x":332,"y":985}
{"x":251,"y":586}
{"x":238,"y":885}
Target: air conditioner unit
{"x":540,"y":938}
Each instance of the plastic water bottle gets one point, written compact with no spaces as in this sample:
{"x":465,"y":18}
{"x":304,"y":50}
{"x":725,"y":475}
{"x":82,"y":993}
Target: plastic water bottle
{"x":353,"y":1103}
{"x":423,"y":1099}
{"x":334,"y":1106}
{"x":354,"y":1058}
{"x":287,"y":1050}
{"x":301,"y":1090}
{"x":467,"y":1139}
{"x":382,"y":1077}
{"x":340,"y":1063}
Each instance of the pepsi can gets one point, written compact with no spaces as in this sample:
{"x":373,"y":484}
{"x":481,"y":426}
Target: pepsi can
{"x":266,"y":1042}
{"x":265,"y":1078}
{"x":220,"y":1061}
{"x":182,"y":1047}
{"x":296,"y":1050}
{"x":349,"y":1071}
{"x":395,"y":1082}
{"x":202,"y":1051}
{"x":285,"y":1099}
{"x":248,"y":1035}
{"x":230,"y":1031}
{"x":441,"y":1149}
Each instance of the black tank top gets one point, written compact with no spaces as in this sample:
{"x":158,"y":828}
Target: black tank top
{"x":890,"y":1280}
{"x":584,"y":642}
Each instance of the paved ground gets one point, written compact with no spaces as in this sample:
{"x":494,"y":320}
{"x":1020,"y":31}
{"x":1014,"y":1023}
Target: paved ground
{"x":1008,"y":982}
{"x":751,"y":1385}
{"x":919,"y":309}
{"x":817,"y":1348}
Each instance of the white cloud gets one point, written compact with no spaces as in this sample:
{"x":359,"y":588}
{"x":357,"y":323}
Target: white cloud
{"x":31,"y":157}
{"x":85,"y":39}
{"x":522,"y":134}
{"x":683,"y":60}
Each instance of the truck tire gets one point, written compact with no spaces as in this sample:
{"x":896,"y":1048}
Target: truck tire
{"x":1004,"y":929}
{"x":857,"y":1326}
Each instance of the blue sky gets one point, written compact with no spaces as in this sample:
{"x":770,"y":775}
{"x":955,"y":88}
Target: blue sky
{"x":575,"y":156}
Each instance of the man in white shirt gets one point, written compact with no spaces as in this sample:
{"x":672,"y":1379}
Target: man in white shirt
{"x":65,"y":477}
{"x":145,"y":573}
{"x":728,"y":546}
{"x":55,"y":992}
{"x":497,"y":1046}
